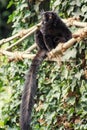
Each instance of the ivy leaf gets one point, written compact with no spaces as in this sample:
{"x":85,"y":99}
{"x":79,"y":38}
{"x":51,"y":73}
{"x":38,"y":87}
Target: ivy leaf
{"x":71,"y":100}
{"x":11,"y":2}
{"x":84,"y":8}
{"x":79,"y":74}
{"x":69,"y":54}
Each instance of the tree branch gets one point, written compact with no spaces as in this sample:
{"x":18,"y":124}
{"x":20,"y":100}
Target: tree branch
{"x":75,"y":22}
{"x":31,"y":48}
{"x":69,"y":22}
{"x":32,"y":30}
{"x":18,"y":35}
{"x":55,"y":52}
{"x":78,"y":36}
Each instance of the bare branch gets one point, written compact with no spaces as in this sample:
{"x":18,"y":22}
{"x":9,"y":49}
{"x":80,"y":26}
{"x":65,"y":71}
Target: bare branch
{"x":55,"y":52}
{"x":32,"y":30}
{"x":18,"y":35}
{"x":69,"y":22}
{"x":81,"y":34}
{"x":75,"y":22}
{"x":16,"y":55}
{"x":31,"y":48}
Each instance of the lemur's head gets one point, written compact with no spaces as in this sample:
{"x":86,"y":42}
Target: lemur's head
{"x":49,"y":17}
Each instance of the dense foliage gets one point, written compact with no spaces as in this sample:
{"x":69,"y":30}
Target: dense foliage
{"x":61,"y":101}
{"x":5,"y":28}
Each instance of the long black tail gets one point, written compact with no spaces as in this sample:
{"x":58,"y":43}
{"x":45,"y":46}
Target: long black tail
{"x":30,"y":90}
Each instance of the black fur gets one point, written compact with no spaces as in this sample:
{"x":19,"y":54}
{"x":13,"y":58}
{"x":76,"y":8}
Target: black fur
{"x":52,"y":31}
{"x":29,"y":91}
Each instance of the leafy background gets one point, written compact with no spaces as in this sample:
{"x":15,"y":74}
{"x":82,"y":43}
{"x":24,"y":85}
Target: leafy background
{"x":61,"y":101}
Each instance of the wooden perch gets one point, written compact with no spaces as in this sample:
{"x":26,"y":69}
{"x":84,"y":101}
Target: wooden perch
{"x":81,"y":34}
{"x":16,"y":55}
{"x":22,"y":34}
{"x":31,"y":48}
{"x":25,"y":33}
{"x":32,"y":30}
{"x":74,"y":21}
{"x":18,"y":35}
{"x":59,"y":49}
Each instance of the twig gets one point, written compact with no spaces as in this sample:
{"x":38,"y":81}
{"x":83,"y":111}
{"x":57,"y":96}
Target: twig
{"x":31,"y":48}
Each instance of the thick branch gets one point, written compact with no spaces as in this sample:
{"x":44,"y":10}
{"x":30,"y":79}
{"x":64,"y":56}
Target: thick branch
{"x":75,"y":22}
{"x":69,"y":22}
{"x":63,"y":47}
{"x":59,"y":49}
{"x":17,"y":55}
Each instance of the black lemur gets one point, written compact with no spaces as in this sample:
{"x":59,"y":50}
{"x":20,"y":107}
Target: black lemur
{"x":51,"y":32}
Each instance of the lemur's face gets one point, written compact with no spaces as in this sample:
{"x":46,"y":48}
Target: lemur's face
{"x":48,"y":17}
